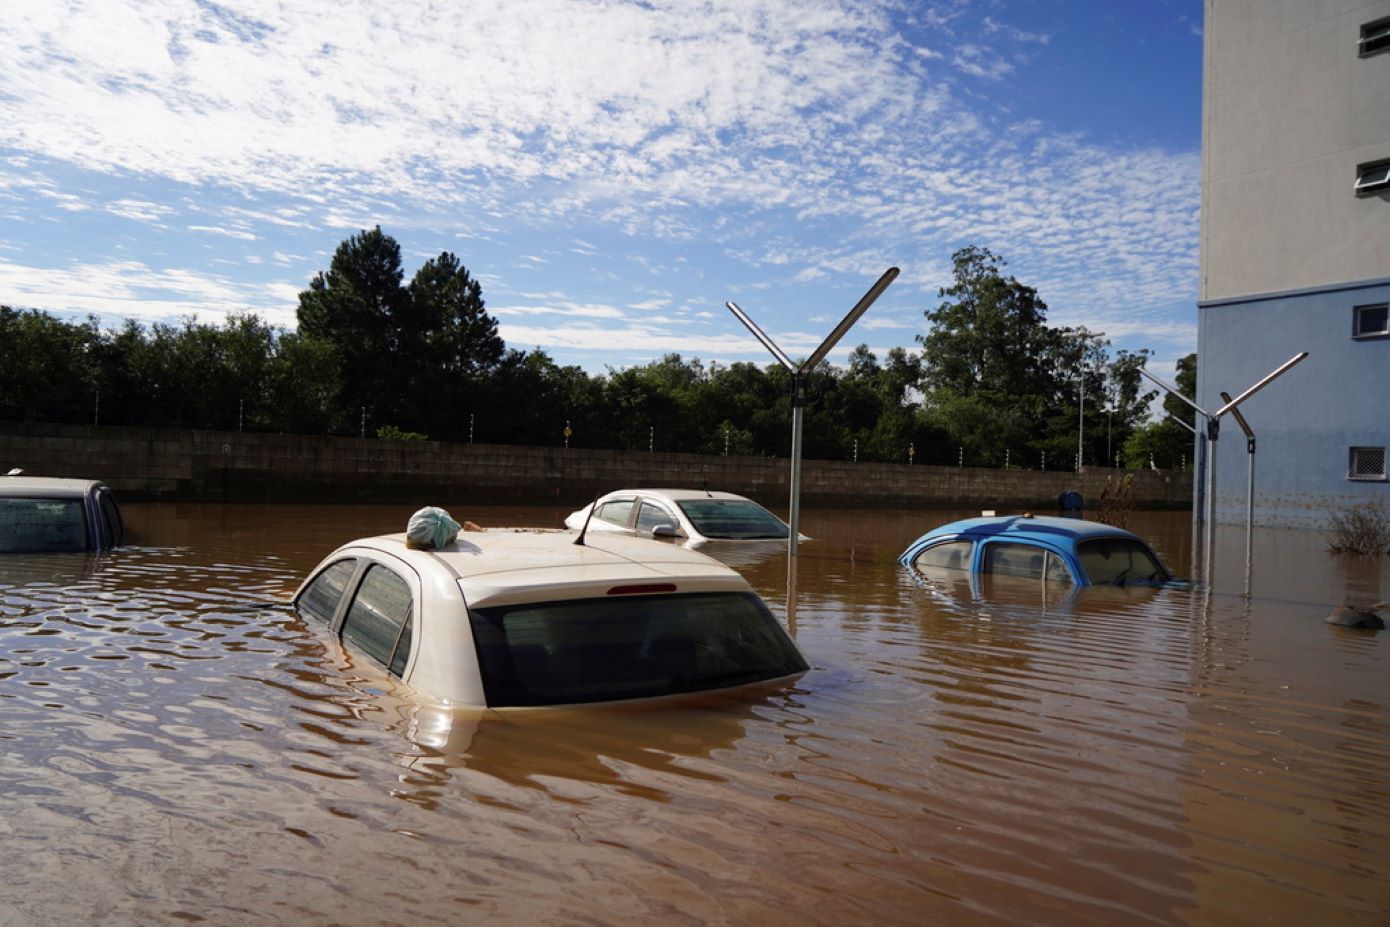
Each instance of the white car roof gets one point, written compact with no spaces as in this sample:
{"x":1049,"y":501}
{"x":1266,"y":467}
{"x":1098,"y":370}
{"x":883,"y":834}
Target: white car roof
{"x":675,"y":495}
{"x":528,"y":565}
{"x":45,"y":486}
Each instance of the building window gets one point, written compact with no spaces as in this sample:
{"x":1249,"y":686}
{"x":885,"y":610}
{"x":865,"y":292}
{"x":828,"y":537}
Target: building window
{"x":1367,"y":463}
{"x":1372,"y":178}
{"x":1371,"y":321}
{"x":1375,"y":37}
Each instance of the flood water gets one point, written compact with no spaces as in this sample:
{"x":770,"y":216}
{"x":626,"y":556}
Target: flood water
{"x":957,"y":755}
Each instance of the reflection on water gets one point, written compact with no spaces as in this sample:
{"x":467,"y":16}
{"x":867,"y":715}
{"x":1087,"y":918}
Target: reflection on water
{"x":965,"y":753}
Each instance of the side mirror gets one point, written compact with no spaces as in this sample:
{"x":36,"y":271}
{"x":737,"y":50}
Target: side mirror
{"x":666,"y":531}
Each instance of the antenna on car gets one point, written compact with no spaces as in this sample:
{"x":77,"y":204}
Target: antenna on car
{"x":592,"y":505}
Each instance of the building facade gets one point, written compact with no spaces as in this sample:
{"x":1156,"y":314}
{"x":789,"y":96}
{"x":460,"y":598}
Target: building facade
{"x":1295,"y":252}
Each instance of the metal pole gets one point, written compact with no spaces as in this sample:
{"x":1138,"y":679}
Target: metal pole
{"x":364,"y":421}
{"x":96,"y":410}
{"x":794,"y":508}
{"x":1249,"y":488}
{"x":651,"y":439}
{"x":240,"y":413}
{"x":470,"y":427}
{"x":1213,"y":433}
{"x":1081,"y":413}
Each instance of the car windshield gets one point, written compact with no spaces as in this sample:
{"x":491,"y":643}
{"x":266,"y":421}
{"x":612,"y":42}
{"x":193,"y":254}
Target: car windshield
{"x":1120,"y":561}
{"x":732,"y":519}
{"x":42,"y":525}
{"x":596,"y":650}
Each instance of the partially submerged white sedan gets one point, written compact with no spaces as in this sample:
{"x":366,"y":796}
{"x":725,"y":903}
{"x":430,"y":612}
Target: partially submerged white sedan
{"x":692,"y":515}
{"x":529,"y":618}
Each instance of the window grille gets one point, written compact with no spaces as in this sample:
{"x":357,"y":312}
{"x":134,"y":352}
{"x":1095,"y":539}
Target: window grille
{"x":1367,"y":463}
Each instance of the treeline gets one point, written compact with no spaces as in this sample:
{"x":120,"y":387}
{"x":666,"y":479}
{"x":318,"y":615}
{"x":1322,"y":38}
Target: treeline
{"x":375,"y":355}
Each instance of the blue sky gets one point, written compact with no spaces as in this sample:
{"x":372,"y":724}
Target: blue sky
{"x":611,"y":171}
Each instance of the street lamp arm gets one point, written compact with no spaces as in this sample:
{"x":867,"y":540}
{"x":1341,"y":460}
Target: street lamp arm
{"x":1230,"y":406}
{"x":1174,"y":392}
{"x":859,"y":309}
{"x":758,"y":333}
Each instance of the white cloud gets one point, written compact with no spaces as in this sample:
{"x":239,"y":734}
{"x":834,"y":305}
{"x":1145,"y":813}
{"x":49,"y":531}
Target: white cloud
{"x":138,"y":210}
{"x":116,"y":290}
{"x":803,"y":143}
{"x":218,"y":230}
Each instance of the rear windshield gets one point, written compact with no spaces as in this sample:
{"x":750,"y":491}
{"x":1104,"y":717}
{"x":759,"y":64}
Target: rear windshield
{"x":732,"y":519}
{"x":42,"y":525}
{"x":597,"y":650}
{"x":1120,"y":561}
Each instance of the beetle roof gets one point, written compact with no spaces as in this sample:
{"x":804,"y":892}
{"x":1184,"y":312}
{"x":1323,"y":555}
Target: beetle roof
{"x":1028,"y":526}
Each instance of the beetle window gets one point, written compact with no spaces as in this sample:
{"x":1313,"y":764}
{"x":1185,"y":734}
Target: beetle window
{"x":616,"y":512}
{"x":378,"y":622}
{"x":1057,"y":571}
{"x":42,"y":525}
{"x":1014,"y":560}
{"x":652,"y":516}
{"x":953,"y":555}
{"x":596,"y":650}
{"x":321,"y":599}
{"x":1118,"y":561}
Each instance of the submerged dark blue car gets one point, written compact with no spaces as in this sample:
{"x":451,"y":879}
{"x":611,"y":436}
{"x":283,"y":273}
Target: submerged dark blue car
{"x":1066,"y":551}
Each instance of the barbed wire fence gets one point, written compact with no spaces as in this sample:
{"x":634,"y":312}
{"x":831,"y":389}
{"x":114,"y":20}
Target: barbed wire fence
{"x":493,"y":426}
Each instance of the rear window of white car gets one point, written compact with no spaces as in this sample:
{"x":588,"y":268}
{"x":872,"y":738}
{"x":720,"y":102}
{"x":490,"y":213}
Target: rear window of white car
{"x":623,"y":647}
{"x":42,"y":525}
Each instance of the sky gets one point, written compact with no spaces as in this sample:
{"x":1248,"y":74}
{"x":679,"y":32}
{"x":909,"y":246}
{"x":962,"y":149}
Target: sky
{"x":612,"y":172}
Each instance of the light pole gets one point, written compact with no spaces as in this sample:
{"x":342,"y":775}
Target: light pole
{"x":800,"y":373}
{"x":1081,"y":334}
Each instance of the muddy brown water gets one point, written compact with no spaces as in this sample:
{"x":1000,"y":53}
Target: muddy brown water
{"x":968,"y":754}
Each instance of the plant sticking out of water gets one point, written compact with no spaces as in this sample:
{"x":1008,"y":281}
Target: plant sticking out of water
{"x":1363,"y":528}
{"x":1117,"y":501}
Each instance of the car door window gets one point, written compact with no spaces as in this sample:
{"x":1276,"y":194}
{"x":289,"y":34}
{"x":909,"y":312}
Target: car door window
{"x":953,"y":555}
{"x":651,"y":516}
{"x":379,"y":621}
{"x":616,"y":512}
{"x":321,"y":599}
{"x":1014,"y":560}
{"x":1057,"y":572}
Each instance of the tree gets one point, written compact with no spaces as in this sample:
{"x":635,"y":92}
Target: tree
{"x":459,"y":337}
{"x":359,"y":306}
{"x":990,"y":360}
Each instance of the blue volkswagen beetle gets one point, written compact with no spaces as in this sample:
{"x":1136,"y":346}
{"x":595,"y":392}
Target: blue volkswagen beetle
{"x":1053,"y":550}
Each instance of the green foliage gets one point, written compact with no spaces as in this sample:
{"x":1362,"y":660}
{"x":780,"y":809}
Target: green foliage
{"x":993,"y":380}
{"x":392,"y":433}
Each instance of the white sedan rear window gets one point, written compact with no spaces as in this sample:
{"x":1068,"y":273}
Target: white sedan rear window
{"x":605,"y":649}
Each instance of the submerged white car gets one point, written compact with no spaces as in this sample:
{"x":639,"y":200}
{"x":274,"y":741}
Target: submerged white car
{"x":692,"y":515}
{"x":48,"y":514}
{"x":529,"y":618}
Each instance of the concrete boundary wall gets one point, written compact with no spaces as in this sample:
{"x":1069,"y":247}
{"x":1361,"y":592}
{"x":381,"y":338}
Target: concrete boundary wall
{"x":154,"y":463}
